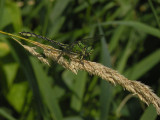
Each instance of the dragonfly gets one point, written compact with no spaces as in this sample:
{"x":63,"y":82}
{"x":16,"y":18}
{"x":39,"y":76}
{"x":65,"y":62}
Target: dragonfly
{"x":78,"y":47}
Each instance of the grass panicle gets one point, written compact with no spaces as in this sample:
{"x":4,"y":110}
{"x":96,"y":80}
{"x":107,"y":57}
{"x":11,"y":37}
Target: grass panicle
{"x":143,"y":91}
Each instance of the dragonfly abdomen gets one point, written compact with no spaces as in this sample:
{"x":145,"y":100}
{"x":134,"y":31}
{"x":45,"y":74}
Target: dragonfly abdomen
{"x":29,"y":34}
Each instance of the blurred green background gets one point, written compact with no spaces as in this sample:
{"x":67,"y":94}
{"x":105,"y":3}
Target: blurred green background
{"x":30,"y":90}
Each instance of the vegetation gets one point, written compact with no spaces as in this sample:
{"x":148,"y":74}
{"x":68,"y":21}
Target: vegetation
{"x":30,"y":89}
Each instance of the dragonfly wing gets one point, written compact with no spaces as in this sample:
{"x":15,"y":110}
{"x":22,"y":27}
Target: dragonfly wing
{"x":88,"y":41}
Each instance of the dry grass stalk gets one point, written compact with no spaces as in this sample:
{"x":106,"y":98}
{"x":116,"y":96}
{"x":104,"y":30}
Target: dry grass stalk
{"x":33,"y":52}
{"x":137,"y":88}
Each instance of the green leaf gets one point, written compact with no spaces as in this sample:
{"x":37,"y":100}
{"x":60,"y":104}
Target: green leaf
{"x":15,"y":15}
{"x":56,"y":17}
{"x":73,"y":118}
{"x":6,"y":114}
{"x":106,"y":94}
{"x":137,"y":25}
{"x":126,"y":53}
{"x":46,"y":89}
{"x":68,"y":78}
{"x":11,"y":72}
{"x":116,"y":37}
{"x":78,"y":90}
{"x":21,"y":57}
{"x":58,"y":9}
{"x":143,"y":66}
{"x":4,"y":49}
{"x":4,"y":21}
{"x":16,"y":95}
{"x":149,"y":114}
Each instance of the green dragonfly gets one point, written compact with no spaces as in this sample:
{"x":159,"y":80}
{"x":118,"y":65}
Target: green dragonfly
{"x":78,"y":47}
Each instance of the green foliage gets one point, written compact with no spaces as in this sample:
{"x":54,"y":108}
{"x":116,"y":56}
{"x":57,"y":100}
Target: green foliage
{"x":31,"y":90}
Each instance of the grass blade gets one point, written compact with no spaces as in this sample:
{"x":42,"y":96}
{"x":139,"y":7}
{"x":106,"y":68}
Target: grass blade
{"x":137,"y":25}
{"x":143,"y":66}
